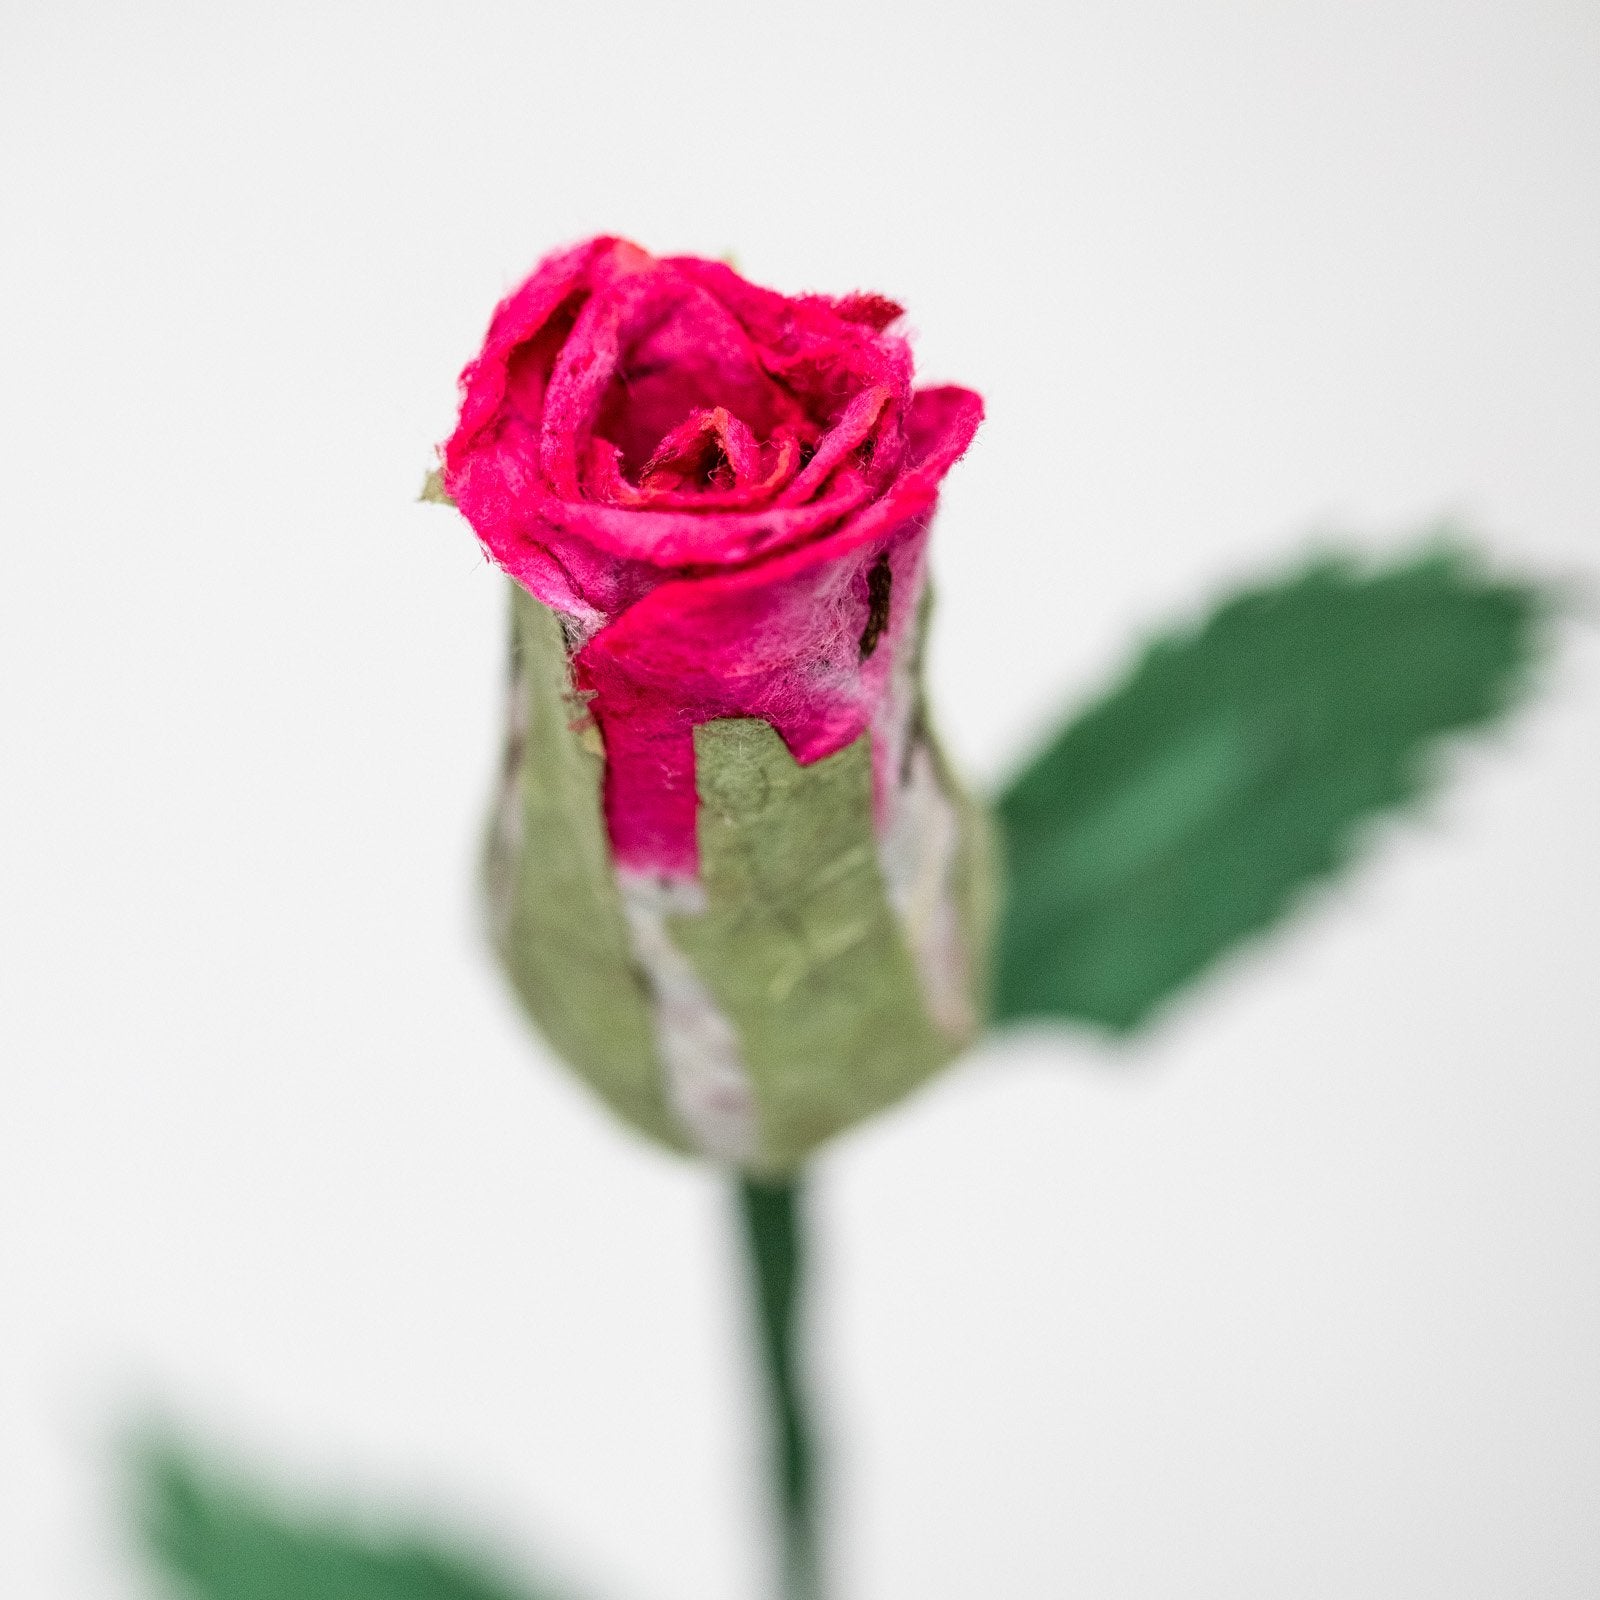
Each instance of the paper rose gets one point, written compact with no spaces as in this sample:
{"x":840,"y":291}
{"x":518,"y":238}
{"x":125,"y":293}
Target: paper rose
{"x":730,"y":874}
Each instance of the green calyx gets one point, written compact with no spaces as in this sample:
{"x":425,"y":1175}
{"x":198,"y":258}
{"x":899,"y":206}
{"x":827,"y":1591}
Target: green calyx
{"x":799,"y":944}
{"x":555,"y":913}
{"x":834,"y":996}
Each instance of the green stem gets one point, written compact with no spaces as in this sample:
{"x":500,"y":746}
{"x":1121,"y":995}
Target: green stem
{"x":774,"y":1232}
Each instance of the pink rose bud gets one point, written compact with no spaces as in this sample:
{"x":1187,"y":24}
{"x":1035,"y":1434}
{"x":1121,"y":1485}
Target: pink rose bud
{"x":731,"y":876}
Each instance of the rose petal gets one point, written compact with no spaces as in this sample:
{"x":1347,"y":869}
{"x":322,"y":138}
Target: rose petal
{"x":633,"y":448}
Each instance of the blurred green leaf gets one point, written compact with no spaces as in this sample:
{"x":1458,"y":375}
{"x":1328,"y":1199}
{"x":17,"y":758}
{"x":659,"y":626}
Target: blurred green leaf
{"x":218,"y":1541}
{"x":1232,"y":767}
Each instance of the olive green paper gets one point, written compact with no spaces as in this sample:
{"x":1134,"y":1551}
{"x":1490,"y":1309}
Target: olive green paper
{"x":555,"y":912}
{"x":795,"y":939}
{"x":798,"y":943}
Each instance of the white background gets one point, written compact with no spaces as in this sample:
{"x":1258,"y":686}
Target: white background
{"x":1302,"y":1297}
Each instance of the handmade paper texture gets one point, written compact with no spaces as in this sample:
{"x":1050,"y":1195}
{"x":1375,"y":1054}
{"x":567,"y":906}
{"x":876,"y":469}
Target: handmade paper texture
{"x":726,"y":494}
{"x":731,"y":876}
{"x":555,"y":912}
{"x":792,"y":996}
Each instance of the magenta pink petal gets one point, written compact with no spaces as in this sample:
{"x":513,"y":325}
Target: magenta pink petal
{"x":712,"y":482}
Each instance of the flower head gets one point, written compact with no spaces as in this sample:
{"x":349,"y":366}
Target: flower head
{"x":723,"y":491}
